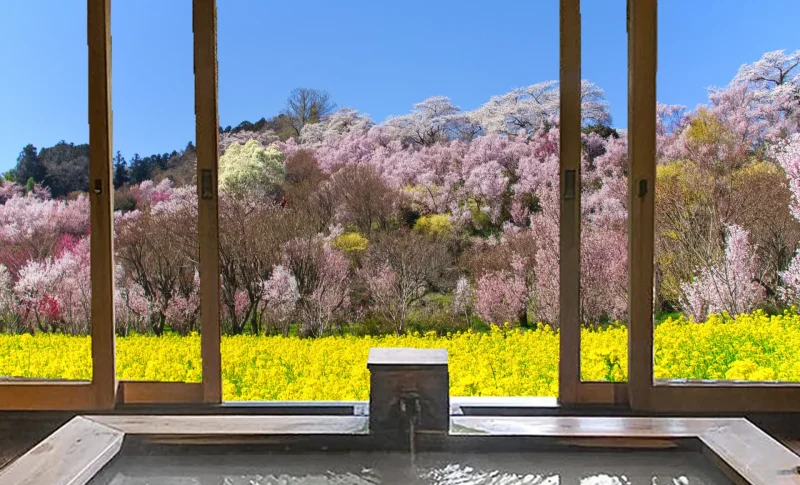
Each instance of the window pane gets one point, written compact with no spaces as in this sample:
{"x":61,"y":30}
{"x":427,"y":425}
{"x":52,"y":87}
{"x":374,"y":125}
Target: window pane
{"x":45,"y":287}
{"x":726,"y":221}
{"x":157,"y":301}
{"x":604,"y":192}
{"x":418,"y":230}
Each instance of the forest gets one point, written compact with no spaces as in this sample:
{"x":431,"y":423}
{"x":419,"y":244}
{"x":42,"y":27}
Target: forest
{"x":437,"y":220}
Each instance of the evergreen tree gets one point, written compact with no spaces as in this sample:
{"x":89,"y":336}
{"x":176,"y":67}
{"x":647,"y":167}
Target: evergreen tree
{"x":121,"y":175}
{"x":139,"y":169}
{"x":29,"y":166}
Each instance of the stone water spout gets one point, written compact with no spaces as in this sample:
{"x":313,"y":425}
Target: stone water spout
{"x":409,"y":397}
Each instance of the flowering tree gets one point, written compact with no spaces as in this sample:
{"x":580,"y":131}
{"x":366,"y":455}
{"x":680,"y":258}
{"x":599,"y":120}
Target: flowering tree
{"x":340,"y":122}
{"x":156,"y":247}
{"x":323,"y":282}
{"x":281,"y":295}
{"x":251,"y":168}
{"x":787,"y":153}
{"x":501,"y":297}
{"x":264,"y":138}
{"x":432,"y":121}
{"x":431,"y":194}
{"x":728,"y":285}
{"x":463,"y":298}
{"x":774,"y":81}
{"x":33,"y":226}
{"x":400,"y":269}
{"x":9,"y":189}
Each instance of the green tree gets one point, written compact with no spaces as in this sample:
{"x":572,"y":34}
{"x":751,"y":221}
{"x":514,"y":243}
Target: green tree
{"x":30,"y":184}
{"x":121,"y":175}
{"x":139,"y":169}
{"x":604,"y":131}
{"x":29,"y":165}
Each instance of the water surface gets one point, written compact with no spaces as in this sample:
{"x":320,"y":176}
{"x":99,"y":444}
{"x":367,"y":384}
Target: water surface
{"x":538,"y":468}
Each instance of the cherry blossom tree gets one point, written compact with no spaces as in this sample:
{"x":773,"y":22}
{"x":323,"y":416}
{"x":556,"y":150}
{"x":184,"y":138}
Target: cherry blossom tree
{"x":501,"y":297}
{"x":432,"y":121}
{"x":340,"y":122}
{"x":323,"y":281}
{"x":264,"y":138}
{"x":728,"y":285}
{"x":9,"y":189}
{"x":281,"y":295}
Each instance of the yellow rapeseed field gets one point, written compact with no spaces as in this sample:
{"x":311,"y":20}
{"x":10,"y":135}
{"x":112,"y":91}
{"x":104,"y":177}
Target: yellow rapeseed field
{"x":498,"y":363}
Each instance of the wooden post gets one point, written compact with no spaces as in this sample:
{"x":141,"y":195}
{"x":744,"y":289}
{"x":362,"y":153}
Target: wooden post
{"x":101,"y":193}
{"x":642,"y":64}
{"x":570,"y":202}
{"x":204,"y":22}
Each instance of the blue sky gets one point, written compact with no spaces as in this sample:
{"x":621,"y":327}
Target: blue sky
{"x":377,"y":57}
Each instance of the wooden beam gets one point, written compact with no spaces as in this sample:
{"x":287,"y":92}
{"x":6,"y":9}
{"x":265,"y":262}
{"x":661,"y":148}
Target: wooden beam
{"x":204,"y":23}
{"x":603,"y":393}
{"x":153,"y":392}
{"x":569,"y":370}
{"x":222,"y":426}
{"x":101,"y":193}
{"x":723,"y":397}
{"x":642,"y":38}
{"x":49,"y":396}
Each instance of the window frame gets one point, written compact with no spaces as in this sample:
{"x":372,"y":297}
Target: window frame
{"x":640,"y":393}
{"x":645,"y":392}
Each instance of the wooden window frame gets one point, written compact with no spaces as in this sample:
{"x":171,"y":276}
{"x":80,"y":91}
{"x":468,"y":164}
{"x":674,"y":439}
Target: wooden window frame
{"x":104,"y":392}
{"x":209,"y":390}
{"x":641,"y":392}
{"x":100,"y":392}
{"x":646,"y":393}
{"x":572,"y":390}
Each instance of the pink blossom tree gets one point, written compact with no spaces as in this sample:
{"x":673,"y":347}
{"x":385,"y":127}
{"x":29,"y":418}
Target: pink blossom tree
{"x":501,"y":297}
{"x":728,"y":285}
{"x":323,"y":280}
{"x":281,"y":295}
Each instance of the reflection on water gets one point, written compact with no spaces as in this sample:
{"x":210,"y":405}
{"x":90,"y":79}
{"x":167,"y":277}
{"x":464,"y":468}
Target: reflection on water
{"x":585,"y":468}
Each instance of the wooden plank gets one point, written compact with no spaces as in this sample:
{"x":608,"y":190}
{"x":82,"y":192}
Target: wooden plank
{"x":204,"y":22}
{"x":101,"y":193}
{"x":724,"y":399}
{"x":642,"y":38}
{"x":752,"y":454}
{"x":586,"y":427}
{"x":605,"y":393}
{"x":205,"y":426}
{"x":151,"y":392}
{"x":51,"y":396}
{"x":569,"y":371}
{"x":606,"y":444}
{"x":70,"y":456}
